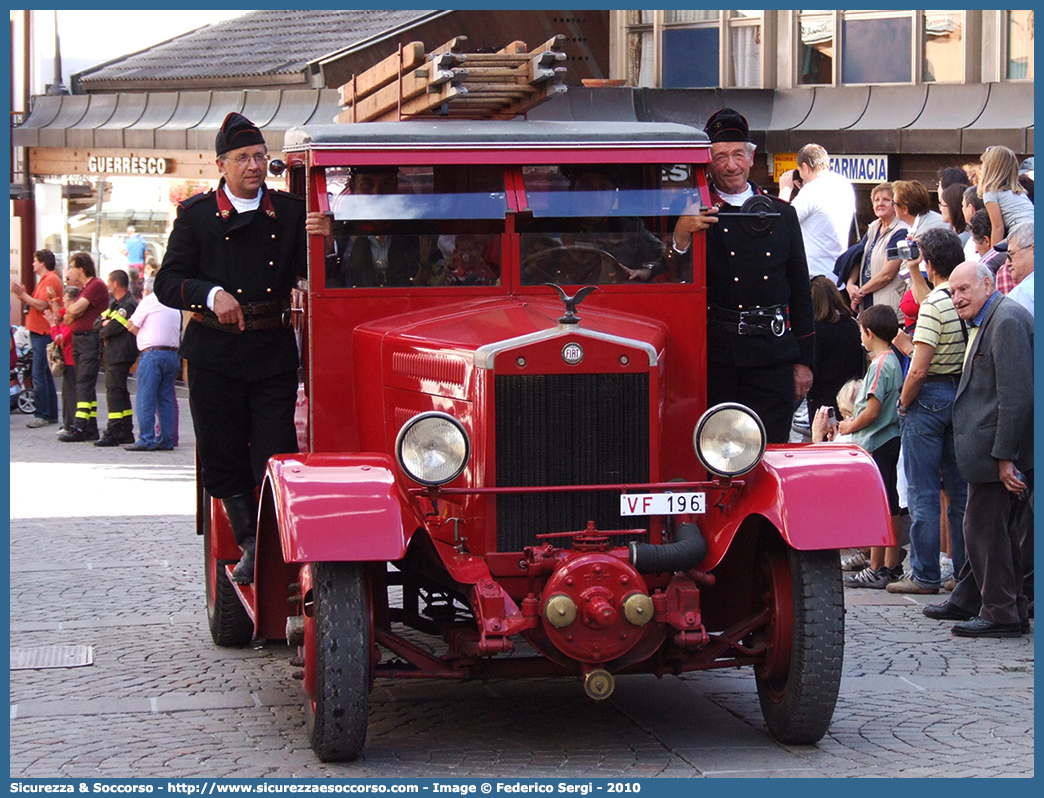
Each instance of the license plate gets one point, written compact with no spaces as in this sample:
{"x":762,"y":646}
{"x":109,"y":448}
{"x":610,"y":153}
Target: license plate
{"x":662,"y":503}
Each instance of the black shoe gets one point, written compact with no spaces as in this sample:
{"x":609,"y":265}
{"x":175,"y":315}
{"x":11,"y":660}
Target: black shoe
{"x":137,"y":447}
{"x":107,"y":440}
{"x":125,"y":437}
{"x":980,"y":627}
{"x":947,"y":611}
{"x":243,"y":573}
{"x":91,"y":434}
{"x":72,"y":436}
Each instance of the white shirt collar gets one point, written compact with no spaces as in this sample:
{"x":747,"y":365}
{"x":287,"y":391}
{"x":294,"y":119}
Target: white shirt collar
{"x":242,"y":205}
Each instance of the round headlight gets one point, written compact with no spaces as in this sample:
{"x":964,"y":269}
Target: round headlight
{"x":432,"y":448}
{"x":729,"y":439}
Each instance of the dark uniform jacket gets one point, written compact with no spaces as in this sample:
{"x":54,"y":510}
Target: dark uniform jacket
{"x":121,"y":346}
{"x":745,"y":272}
{"x":254,"y":256}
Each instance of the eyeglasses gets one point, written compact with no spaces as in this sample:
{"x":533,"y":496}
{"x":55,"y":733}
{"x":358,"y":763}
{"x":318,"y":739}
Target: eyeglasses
{"x":243,"y":160}
{"x":1013,"y":252}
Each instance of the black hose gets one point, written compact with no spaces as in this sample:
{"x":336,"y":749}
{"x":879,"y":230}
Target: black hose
{"x":687,"y":551}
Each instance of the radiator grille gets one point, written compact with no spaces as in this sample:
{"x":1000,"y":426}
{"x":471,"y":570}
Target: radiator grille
{"x":566,"y":429}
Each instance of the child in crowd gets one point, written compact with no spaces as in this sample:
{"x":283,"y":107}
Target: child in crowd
{"x":875,"y":427}
{"x":61,"y":332}
{"x":1001,"y":192}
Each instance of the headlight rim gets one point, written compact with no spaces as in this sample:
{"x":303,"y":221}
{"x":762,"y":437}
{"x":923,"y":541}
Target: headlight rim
{"x":709,"y":413}
{"x":410,"y":424}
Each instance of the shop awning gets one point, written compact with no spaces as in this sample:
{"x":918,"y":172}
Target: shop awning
{"x":1006,"y":120}
{"x":167,"y":120}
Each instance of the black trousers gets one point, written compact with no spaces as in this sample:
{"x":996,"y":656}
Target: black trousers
{"x":87,"y":356}
{"x":117,"y":397}
{"x":997,"y":580}
{"x":767,"y":390}
{"x":239,"y":425}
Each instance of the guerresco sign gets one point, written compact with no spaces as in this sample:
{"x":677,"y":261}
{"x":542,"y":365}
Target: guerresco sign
{"x":131,"y":165}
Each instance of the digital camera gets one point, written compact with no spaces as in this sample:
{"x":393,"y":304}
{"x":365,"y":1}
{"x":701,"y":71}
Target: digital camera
{"x":906,"y":249}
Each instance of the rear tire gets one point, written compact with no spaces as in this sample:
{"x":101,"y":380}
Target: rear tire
{"x":230,"y":626}
{"x":343,"y":649}
{"x":799,"y":682}
{"x":27,"y":401}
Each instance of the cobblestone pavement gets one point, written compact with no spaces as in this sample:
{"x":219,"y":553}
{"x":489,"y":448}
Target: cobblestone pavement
{"x":103,"y":554}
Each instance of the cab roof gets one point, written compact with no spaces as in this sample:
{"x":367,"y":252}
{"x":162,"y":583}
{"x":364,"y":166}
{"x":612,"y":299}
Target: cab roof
{"x":456,"y":134}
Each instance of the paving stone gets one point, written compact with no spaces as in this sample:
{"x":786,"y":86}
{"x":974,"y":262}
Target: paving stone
{"x":162,"y":700}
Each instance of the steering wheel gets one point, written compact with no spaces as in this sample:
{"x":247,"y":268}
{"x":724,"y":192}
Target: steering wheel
{"x":536,"y":265}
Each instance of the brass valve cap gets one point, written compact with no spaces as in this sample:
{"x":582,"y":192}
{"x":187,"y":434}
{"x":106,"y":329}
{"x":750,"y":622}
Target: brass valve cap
{"x":599,"y":684}
{"x":560,"y":610}
{"x":638,"y":609}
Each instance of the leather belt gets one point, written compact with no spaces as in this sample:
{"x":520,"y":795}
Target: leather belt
{"x":769,"y":320}
{"x":953,"y":379}
{"x":256,"y":316}
{"x":159,"y":349}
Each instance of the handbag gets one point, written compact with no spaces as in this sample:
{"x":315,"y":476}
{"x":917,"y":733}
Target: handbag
{"x":55,"y":358}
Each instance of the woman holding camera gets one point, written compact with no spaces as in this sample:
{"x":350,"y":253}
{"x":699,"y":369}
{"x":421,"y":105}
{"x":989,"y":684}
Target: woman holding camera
{"x":877,"y":280}
{"x":913,"y":206}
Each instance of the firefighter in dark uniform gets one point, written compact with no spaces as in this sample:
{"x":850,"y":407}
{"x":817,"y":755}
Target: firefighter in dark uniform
{"x":760,"y":327}
{"x":119,"y":351}
{"x":232,"y":259}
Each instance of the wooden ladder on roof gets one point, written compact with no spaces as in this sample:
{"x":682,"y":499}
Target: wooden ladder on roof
{"x":448,"y":83}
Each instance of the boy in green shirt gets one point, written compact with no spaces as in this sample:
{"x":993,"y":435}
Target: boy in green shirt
{"x":875,"y":427}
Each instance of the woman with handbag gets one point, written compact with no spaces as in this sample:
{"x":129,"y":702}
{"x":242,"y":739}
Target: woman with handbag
{"x":876,"y":281}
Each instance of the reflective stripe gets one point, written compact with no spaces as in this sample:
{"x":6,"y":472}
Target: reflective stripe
{"x":119,"y":318}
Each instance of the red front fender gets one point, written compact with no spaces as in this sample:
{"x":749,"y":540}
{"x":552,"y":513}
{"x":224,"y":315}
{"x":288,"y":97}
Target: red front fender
{"x":823,"y":496}
{"x":339,"y":507}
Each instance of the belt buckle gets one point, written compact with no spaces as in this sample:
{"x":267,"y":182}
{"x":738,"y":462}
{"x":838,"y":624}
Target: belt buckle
{"x":286,"y":317}
{"x":779,"y":323}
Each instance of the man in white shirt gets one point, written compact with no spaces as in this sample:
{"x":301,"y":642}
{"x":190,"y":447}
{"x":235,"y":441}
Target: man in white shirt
{"x":825,"y":206}
{"x":1020,"y":258}
{"x":158,"y":329}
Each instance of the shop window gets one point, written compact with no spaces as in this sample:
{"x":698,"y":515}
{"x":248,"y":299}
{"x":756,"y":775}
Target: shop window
{"x":687,"y":44}
{"x":690,"y":58}
{"x":816,"y":48}
{"x":943,"y":47}
{"x":1020,"y":45}
{"x":876,"y":50}
{"x":745,"y":40}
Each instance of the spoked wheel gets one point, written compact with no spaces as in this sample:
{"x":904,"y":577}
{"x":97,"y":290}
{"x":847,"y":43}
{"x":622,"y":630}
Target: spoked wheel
{"x":799,"y":680}
{"x":339,"y":641}
{"x":229,"y":623}
{"x":27,"y":401}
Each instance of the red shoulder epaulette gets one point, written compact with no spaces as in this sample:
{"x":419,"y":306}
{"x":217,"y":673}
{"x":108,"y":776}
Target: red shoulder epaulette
{"x":190,"y":201}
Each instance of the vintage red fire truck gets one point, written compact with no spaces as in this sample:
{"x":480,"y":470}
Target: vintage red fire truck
{"x":507,"y":468}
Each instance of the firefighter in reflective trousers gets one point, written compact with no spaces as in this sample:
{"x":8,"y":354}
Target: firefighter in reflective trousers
{"x":119,"y":351}
{"x":232,"y":260}
{"x":760,"y":327}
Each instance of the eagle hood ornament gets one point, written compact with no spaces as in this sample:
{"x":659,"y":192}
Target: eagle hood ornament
{"x":571,"y":302}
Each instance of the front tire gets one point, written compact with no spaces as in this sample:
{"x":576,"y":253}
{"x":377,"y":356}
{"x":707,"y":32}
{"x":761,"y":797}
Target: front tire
{"x":230,"y":626}
{"x":27,"y":401}
{"x":342,"y":647}
{"x":799,"y":681}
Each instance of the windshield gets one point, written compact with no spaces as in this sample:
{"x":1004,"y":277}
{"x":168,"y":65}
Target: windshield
{"x":415,"y":226}
{"x":436,"y":226}
{"x":601,"y":225}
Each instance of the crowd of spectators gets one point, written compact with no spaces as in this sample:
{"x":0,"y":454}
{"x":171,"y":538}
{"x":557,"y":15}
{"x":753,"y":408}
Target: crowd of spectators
{"x":984,"y":229}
